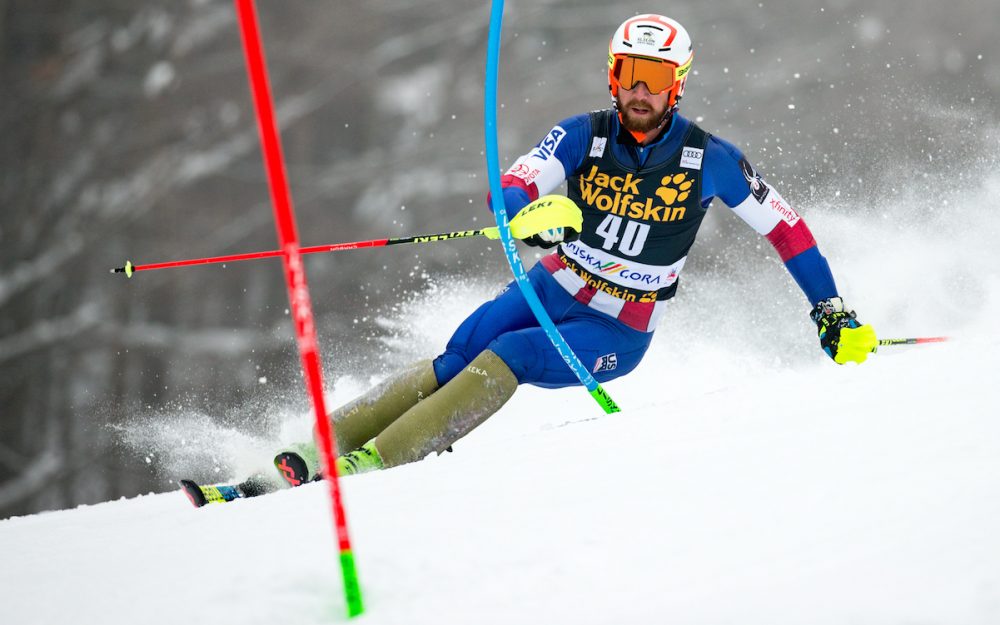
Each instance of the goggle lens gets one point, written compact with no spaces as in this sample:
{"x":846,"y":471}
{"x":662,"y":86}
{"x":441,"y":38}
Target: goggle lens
{"x":631,"y":70}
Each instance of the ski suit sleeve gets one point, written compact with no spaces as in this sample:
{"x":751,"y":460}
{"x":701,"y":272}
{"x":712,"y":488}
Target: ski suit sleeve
{"x":732,"y":178}
{"x":546,"y":166}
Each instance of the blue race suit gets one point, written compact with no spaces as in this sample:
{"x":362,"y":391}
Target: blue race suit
{"x":642,"y":207}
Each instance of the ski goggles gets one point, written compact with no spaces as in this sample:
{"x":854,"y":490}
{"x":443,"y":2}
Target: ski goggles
{"x":659,"y":75}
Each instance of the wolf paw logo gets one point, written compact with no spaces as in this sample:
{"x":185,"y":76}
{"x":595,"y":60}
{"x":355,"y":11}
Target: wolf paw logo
{"x":674,"y":188}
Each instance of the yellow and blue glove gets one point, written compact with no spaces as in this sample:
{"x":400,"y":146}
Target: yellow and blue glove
{"x":841,"y":336}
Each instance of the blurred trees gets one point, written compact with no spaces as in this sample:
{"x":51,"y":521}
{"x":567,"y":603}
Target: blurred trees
{"x":128,"y":134}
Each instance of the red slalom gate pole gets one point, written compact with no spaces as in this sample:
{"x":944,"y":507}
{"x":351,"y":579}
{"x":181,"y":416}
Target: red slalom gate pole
{"x":295,"y":279}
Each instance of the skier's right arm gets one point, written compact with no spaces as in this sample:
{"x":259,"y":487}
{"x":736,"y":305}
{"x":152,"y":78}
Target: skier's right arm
{"x":546,"y":166}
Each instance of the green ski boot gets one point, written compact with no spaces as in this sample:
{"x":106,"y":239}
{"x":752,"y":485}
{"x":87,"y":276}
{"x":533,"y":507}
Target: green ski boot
{"x":360,"y":460}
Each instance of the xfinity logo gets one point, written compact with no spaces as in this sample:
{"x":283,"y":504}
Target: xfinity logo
{"x":787,"y":213}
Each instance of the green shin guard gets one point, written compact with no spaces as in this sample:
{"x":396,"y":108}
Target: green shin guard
{"x":450,"y":413}
{"x":360,"y":421}
{"x":363,"y":419}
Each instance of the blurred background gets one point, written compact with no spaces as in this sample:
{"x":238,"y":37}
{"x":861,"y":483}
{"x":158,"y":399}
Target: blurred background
{"x":128,"y":133}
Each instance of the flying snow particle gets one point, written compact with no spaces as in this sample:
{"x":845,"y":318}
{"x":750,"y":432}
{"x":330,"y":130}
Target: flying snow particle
{"x":158,"y":78}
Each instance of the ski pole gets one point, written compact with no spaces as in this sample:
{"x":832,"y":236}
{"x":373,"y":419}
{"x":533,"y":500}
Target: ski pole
{"x":913,"y":341}
{"x":489,"y":233}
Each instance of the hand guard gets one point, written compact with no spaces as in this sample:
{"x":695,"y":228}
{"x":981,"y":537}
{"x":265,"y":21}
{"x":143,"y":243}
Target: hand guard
{"x":841,"y":336}
{"x":549,"y":220}
{"x":551,"y":237}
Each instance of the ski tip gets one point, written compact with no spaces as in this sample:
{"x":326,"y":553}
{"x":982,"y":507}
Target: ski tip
{"x":194,"y":493}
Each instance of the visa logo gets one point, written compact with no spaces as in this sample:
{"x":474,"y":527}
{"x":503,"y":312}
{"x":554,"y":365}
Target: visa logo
{"x":547,"y":146}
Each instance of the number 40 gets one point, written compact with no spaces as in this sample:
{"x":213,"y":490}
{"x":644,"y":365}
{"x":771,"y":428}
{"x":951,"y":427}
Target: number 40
{"x":631,"y":241}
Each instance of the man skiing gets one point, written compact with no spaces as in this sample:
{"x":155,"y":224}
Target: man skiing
{"x":643,"y":177}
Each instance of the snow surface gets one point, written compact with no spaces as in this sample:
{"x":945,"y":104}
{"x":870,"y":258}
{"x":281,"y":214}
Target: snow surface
{"x":748,"y":480}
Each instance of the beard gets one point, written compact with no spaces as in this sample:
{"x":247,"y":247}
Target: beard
{"x":641,"y":124}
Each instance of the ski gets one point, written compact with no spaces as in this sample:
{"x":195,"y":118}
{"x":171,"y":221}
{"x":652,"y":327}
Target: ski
{"x":293,"y":468}
{"x":224,"y":493}
{"x":296,"y":467}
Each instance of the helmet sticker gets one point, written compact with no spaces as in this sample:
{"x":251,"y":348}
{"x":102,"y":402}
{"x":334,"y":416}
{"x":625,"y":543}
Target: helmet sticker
{"x":648,"y":23}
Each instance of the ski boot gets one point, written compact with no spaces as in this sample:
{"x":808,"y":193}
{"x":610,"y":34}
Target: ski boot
{"x":360,"y":460}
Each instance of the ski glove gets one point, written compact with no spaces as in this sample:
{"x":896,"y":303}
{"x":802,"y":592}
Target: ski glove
{"x":841,"y":336}
{"x":551,"y":237}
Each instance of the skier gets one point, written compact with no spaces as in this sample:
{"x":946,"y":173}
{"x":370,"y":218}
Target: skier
{"x":643,"y":177}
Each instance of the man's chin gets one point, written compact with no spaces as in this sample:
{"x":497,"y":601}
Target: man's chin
{"x":640,"y":123}
{"x":644,"y":123}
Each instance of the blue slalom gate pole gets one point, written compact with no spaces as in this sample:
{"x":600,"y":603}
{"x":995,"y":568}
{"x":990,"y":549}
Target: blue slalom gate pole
{"x":503,"y":224}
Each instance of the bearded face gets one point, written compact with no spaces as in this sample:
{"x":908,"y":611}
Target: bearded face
{"x":640,"y":114}
{"x":640,"y":110}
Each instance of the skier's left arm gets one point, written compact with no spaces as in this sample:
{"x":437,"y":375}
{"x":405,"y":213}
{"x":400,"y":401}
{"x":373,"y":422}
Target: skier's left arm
{"x":730,"y":177}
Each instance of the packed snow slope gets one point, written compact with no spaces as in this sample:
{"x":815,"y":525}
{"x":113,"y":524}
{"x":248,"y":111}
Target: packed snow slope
{"x":748,"y":479}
